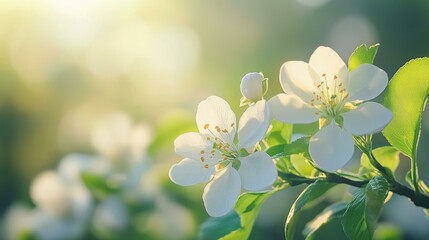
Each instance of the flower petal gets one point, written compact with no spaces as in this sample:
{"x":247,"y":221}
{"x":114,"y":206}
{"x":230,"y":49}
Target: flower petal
{"x":189,"y":172}
{"x":367,"y":118}
{"x":221,"y":194}
{"x":296,"y":78}
{"x":331,"y":147}
{"x":253,"y":124}
{"x":327,"y":64}
{"x":366,"y":82}
{"x":257,"y":171}
{"x":214,"y":116}
{"x":291,"y":109}
{"x":190,"y":145}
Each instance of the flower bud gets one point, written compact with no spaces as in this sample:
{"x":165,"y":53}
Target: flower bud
{"x":252,"y":86}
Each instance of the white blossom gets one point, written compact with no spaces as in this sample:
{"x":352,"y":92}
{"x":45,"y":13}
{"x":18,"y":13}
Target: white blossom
{"x":213,"y":156}
{"x":325,"y":90}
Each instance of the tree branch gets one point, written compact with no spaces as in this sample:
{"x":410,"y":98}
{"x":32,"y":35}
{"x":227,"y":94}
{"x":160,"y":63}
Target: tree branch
{"x":418,"y":199}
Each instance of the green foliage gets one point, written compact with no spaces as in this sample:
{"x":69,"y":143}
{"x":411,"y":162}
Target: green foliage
{"x":360,"y":219}
{"x":404,"y":131}
{"x":237,"y":224}
{"x":333,"y":212}
{"x":98,"y":185}
{"x":279,"y":133}
{"x":26,"y":235}
{"x":309,"y":195}
{"x":248,"y":207}
{"x":217,"y":227}
{"x":387,"y":156}
{"x":361,"y":55}
{"x":406,"y":97}
{"x":387,"y":232}
{"x":282,"y":153}
{"x":302,"y":165}
{"x":296,"y":147}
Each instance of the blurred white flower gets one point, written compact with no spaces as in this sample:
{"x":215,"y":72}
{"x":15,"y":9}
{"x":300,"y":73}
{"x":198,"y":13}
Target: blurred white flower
{"x":120,"y":141}
{"x":111,"y":215}
{"x":212,"y":154}
{"x":181,"y":226}
{"x":63,"y":204}
{"x":123,"y":148}
{"x":18,"y":219}
{"x":50,"y":193}
{"x":324,"y":90}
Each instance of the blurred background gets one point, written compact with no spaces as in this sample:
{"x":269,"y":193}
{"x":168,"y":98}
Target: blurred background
{"x":104,"y":87}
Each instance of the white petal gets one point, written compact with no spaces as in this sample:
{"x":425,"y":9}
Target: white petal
{"x":367,"y":118}
{"x":366,"y":82}
{"x":257,"y":171}
{"x":221,"y":194}
{"x":326,"y":61}
{"x":190,"y":145}
{"x":331,"y":147}
{"x":296,"y":78}
{"x":189,"y":172}
{"x":291,"y":109}
{"x":214,"y":115}
{"x":253,"y":124}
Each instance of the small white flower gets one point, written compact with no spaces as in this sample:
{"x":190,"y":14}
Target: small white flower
{"x":212,"y":155}
{"x":325,"y":90}
{"x":111,"y":215}
{"x":252,"y":86}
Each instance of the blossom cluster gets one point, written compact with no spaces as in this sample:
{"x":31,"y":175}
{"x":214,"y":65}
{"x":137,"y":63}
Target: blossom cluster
{"x":229,"y":157}
{"x":95,"y":193}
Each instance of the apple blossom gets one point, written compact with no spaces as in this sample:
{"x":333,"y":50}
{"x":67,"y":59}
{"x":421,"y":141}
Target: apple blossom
{"x":325,"y":90}
{"x":212,"y":154}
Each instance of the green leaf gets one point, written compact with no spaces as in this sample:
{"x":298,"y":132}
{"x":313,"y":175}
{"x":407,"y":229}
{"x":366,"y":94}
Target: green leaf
{"x":98,"y":185}
{"x":387,"y":231}
{"x":387,"y":156}
{"x":310,"y":194}
{"x":406,"y":97}
{"x":26,"y":235}
{"x":330,"y":213}
{"x":360,"y":219}
{"x":361,"y":55}
{"x":279,"y":133}
{"x":302,"y":165}
{"x":296,"y":147}
{"x":217,"y":227}
{"x":247,"y":208}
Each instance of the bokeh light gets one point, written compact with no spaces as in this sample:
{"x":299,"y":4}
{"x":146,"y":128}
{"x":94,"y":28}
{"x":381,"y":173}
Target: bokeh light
{"x":94,"y":93}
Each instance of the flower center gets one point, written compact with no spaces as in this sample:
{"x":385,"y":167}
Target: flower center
{"x":329,"y":99}
{"x":223,"y":151}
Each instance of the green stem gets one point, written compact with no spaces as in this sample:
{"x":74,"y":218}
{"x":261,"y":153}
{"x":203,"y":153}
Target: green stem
{"x":418,"y":199}
{"x":364,"y":143}
{"x":294,"y":180}
{"x":415,"y":175}
{"x":386,"y":173}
